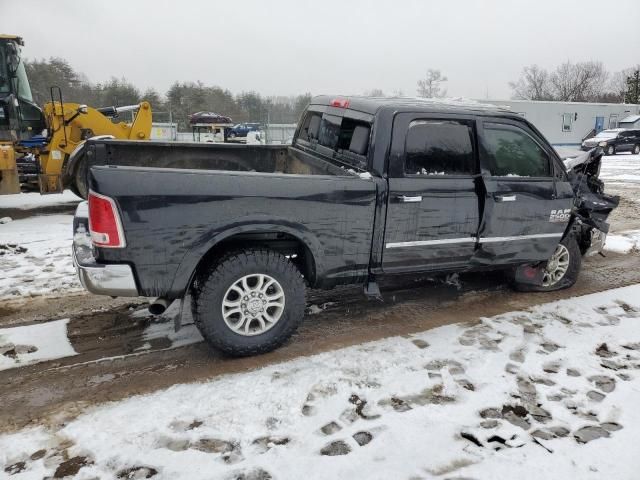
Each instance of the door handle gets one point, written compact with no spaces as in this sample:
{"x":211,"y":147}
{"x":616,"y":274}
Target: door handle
{"x":505,"y":198}
{"x":409,"y":199}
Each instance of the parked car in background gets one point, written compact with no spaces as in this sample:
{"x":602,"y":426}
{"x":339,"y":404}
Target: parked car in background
{"x":614,"y":141}
{"x":208,"y":117}
{"x":241,"y":129}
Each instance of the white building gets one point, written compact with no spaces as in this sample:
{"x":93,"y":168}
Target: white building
{"x":164,"y":131}
{"x":568,"y":123}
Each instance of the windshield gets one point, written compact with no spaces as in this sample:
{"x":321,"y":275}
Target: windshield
{"x":24,"y":89}
{"x":607,"y":134}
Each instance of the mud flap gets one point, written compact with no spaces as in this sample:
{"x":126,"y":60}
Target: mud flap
{"x":372,"y":290}
{"x":529,"y":275}
{"x":177,"y":320}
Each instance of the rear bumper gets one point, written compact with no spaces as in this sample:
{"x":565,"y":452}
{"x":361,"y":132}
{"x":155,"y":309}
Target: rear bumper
{"x":115,"y":280}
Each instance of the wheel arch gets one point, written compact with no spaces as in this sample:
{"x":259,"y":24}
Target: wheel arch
{"x":294,"y":240}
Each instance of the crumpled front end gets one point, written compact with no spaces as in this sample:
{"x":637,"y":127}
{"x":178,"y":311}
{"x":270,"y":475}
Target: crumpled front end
{"x":592,"y":205}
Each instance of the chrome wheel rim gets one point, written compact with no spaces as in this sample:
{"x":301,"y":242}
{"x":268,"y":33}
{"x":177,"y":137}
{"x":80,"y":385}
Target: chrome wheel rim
{"x":610,"y":151}
{"x":636,"y":149}
{"x":557,"y":266}
{"x":253,"y":304}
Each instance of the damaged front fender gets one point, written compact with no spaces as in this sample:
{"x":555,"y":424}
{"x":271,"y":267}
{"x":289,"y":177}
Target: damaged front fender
{"x":592,"y":205}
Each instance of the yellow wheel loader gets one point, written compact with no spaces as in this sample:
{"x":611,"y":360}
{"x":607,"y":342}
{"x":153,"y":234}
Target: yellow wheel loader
{"x":44,"y":147}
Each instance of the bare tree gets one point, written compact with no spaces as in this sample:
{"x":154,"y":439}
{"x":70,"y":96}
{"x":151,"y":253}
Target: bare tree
{"x":578,"y":82}
{"x":430,"y":86}
{"x":375,"y":92}
{"x":533,"y":84}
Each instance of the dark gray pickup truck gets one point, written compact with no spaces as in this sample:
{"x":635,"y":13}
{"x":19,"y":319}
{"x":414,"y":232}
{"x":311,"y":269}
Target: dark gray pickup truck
{"x":369,"y":187}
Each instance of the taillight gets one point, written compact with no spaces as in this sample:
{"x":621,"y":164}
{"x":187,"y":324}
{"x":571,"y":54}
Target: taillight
{"x":104,"y":222}
{"x":340,"y":102}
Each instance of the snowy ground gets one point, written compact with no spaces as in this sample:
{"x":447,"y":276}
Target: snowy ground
{"x":624,"y":242}
{"x":20,"y":346}
{"x":550,"y":393}
{"x":35,"y":257}
{"x":621,"y":168}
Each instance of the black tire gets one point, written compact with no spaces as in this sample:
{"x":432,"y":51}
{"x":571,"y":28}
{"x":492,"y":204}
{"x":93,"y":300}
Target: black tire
{"x":78,"y":183}
{"x":570,"y":276}
{"x":610,"y":150}
{"x":211,"y":287}
{"x":636,"y":149}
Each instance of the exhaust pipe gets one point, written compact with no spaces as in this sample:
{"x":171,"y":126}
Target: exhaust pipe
{"x":159,"y":306}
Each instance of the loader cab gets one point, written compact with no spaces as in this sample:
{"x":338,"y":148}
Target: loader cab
{"x":20,"y":117}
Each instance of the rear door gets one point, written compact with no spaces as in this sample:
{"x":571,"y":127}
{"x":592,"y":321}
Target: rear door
{"x":432,"y":208}
{"x":528,"y":199}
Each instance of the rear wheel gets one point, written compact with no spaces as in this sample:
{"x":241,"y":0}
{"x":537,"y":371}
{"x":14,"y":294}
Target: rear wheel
{"x":636,"y":149}
{"x":611,"y":150}
{"x":561,"y":270}
{"x":250,"y":302}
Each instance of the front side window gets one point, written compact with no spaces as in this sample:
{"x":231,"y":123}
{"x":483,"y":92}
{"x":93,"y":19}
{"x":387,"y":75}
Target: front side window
{"x":567,"y":120}
{"x":310,"y":127}
{"x":513,"y":153}
{"x":439,"y":147}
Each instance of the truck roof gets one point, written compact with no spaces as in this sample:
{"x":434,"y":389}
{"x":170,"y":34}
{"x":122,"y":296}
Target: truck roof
{"x":373,"y":105}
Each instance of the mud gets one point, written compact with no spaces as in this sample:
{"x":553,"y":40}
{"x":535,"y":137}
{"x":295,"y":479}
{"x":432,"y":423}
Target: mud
{"x":111,"y":366}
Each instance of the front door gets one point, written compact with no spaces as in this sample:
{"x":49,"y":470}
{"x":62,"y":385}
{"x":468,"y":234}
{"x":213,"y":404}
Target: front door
{"x":526,"y":209}
{"x":432,"y":209}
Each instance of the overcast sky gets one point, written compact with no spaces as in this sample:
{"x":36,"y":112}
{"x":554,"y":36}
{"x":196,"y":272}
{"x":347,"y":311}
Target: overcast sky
{"x":325,"y":46}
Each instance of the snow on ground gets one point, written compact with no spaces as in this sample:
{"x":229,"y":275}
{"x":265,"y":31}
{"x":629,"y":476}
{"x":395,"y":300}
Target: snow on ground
{"x":623,"y":242}
{"x":28,"y":201}
{"x":35,"y":256}
{"x":20,"y":346}
{"x":549,"y":393}
{"x":621,"y":168}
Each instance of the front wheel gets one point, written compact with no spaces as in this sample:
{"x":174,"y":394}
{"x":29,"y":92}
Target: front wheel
{"x":561,"y":270}
{"x":250,"y":302}
{"x":636,"y":149}
{"x":611,"y":150}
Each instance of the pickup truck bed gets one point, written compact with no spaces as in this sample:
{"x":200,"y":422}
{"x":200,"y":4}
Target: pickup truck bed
{"x":269,"y":194}
{"x":370,"y":187}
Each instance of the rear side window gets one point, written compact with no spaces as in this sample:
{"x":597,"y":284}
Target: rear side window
{"x":310,"y":127}
{"x":513,"y":153}
{"x":439,"y":147}
{"x":344,"y":139}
